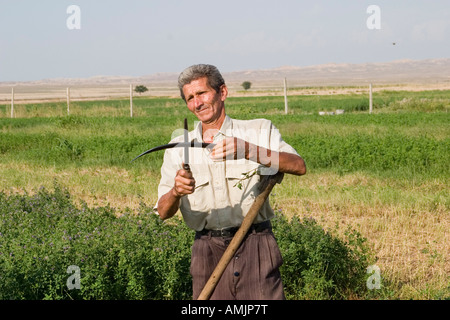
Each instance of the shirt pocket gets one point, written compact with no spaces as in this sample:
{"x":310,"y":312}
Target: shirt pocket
{"x":243,"y":184}
{"x":243,"y":174}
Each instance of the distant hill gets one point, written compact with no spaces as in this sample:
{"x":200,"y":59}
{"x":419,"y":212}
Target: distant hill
{"x":401,"y":71}
{"x":407,"y":74}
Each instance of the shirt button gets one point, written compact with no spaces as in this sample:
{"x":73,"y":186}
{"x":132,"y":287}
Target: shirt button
{"x":236,"y":274}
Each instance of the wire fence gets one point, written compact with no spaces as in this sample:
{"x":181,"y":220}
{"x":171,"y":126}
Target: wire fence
{"x":14,"y":98}
{"x":28,"y":101}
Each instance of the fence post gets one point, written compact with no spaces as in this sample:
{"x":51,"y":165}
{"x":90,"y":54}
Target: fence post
{"x":68,"y":101}
{"x":285,"y":97}
{"x":131,"y":100}
{"x":12,"y":103}
{"x":370,"y":99}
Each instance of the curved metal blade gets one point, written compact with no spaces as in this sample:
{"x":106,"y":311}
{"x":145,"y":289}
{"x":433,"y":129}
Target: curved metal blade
{"x":191,"y":144}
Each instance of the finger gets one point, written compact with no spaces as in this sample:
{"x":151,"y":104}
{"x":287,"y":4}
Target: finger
{"x":182,"y":191}
{"x":184,"y":186}
{"x":218,"y":155}
{"x":185,"y":177}
{"x":185,"y":173}
{"x":222,"y":149}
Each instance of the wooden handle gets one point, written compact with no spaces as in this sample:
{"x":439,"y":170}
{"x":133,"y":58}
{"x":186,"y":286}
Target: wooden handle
{"x":239,"y":236}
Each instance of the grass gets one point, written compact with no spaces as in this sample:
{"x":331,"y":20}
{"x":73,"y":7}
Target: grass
{"x":123,"y":255}
{"x":385,"y":174}
{"x":405,"y":222}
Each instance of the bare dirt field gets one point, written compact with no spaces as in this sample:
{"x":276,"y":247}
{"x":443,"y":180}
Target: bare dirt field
{"x":38,"y":94}
{"x":408,"y":75}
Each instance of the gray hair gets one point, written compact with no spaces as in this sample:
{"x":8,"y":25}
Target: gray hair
{"x":215,"y":79}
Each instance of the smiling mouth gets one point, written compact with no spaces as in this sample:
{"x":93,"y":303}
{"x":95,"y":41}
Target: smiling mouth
{"x":202,"y":109}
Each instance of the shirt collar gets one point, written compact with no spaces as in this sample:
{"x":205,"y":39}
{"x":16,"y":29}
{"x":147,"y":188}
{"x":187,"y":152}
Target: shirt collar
{"x":227,"y":125}
{"x":226,"y":128}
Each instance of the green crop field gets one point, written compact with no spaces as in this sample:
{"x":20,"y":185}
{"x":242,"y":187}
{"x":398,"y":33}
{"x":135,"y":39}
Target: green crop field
{"x":377,"y":184}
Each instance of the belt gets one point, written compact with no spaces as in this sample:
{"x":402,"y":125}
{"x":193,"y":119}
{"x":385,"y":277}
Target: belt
{"x":230,"y":232}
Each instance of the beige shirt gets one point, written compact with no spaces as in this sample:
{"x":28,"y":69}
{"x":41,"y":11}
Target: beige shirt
{"x":217,"y":201}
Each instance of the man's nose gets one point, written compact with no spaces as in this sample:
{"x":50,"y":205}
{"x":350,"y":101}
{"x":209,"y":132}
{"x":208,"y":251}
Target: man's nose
{"x":197,"y":102}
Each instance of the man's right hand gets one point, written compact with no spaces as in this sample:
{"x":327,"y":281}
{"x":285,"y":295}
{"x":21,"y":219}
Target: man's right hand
{"x":184,"y":183}
{"x":168,"y":204}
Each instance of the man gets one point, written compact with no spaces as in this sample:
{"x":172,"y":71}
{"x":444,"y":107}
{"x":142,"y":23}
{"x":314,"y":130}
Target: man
{"x":215,"y":195}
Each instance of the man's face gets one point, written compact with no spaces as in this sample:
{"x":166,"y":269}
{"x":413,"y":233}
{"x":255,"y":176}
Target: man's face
{"x":202,"y":100}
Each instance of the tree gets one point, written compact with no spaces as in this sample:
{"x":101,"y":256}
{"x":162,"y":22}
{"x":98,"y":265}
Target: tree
{"x":246,"y":85}
{"x":140,"y":89}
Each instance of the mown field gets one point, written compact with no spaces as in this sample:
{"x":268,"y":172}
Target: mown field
{"x":377,"y":183}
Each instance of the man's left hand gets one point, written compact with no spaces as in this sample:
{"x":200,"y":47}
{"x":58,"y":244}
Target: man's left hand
{"x":230,"y":148}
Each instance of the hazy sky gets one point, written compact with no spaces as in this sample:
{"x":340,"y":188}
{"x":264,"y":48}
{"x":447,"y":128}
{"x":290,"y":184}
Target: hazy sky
{"x":141,"y":37}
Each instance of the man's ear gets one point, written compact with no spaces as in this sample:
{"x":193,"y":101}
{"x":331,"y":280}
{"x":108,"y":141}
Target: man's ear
{"x":223,"y":92}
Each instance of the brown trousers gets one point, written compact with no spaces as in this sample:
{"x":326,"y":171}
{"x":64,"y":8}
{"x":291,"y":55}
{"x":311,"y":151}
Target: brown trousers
{"x":252,"y":274}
